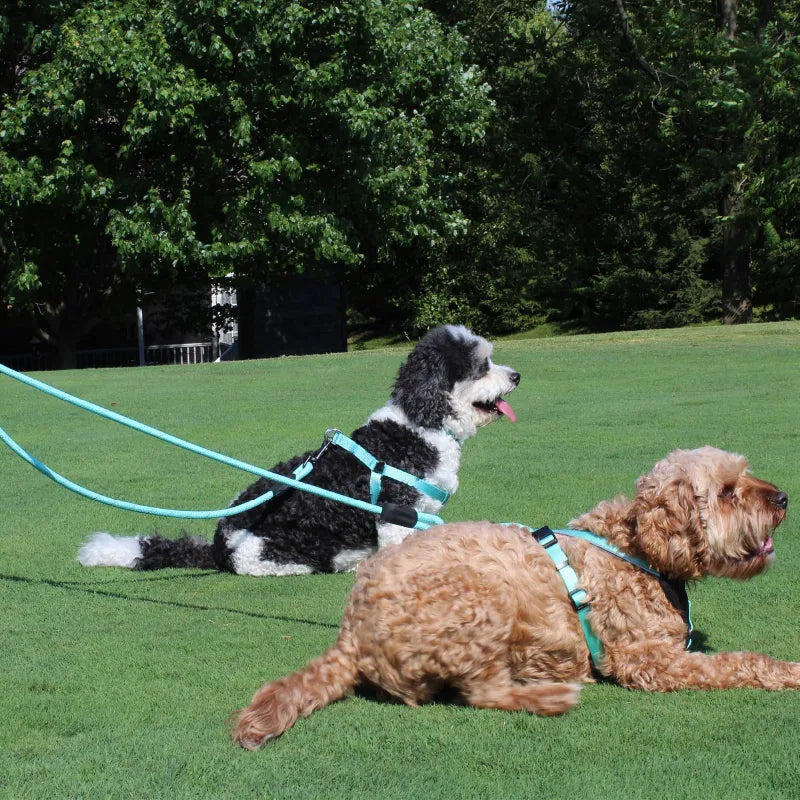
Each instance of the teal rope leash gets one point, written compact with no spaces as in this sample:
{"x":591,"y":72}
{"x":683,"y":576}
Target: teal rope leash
{"x":423,"y":520}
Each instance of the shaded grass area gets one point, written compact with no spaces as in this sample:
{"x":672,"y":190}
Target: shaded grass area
{"x":119,"y":685}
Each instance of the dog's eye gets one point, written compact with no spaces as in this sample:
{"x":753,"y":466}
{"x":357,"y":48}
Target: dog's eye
{"x":727,"y":492}
{"x":482,"y":368}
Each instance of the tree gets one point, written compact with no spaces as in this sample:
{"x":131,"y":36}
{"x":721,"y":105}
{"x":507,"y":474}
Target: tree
{"x":639,"y":168}
{"x":715,"y":78}
{"x":200,"y":137}
{"x":568,"y":223}
{"x":493,"y":277}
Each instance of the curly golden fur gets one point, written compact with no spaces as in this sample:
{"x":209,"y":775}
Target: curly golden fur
{"x":480,"y":608}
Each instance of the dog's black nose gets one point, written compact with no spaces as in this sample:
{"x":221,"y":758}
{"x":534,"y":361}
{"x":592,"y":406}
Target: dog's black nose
{"x":515,"y":376}
{"x":780,"y":499}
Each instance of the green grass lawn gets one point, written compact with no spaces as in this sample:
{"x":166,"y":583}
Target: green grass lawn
{"x":120,"y":685}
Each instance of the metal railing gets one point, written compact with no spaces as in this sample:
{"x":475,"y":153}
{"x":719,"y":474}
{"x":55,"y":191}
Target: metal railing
{"x":95,"y":357}
{"x":193,"y":353}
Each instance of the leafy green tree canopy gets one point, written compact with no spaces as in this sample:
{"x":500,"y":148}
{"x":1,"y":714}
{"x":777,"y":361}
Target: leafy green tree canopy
{"x":265,"y":137}
{"x":641,"y":168}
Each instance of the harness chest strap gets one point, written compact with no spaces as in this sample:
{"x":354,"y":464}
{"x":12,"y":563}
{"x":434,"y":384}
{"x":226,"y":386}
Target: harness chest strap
{"x":379,"y":469}
{"x":577,"y":595}
{"x":675,"y":591}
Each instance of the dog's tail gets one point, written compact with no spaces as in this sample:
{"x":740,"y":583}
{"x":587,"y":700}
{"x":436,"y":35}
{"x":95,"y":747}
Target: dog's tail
{"x":276,"y":706}
{"x":146,"y":552}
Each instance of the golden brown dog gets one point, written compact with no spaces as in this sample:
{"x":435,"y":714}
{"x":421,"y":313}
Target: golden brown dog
{"x":480,"y":608}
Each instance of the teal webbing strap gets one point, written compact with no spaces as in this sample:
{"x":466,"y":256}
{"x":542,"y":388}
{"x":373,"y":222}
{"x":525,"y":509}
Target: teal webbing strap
{"x":599,"y":541}
{"x":577,"y":595}
{"x":379,"y":469}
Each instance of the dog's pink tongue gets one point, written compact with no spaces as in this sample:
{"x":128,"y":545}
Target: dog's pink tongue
{"x":505,"y":408}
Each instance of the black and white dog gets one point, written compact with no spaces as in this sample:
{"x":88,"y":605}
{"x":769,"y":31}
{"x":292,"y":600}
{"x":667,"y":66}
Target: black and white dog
{"x":447,"y":388}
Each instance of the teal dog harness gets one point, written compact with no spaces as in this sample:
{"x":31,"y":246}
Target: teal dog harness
{"x":675,"y":590}
{"x":379,"y":470}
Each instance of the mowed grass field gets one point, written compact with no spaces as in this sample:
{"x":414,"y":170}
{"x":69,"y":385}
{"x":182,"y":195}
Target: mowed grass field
{"x":116,"y":684}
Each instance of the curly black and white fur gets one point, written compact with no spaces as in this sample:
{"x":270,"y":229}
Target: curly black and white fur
{"x":447,"y":388}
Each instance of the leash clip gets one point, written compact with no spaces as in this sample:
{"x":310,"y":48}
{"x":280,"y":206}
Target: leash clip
{"x":327,"y":441}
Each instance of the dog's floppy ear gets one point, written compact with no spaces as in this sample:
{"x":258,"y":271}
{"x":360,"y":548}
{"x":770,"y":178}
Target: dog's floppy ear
{"x":667,"y":527}
{"x":423,"y":384}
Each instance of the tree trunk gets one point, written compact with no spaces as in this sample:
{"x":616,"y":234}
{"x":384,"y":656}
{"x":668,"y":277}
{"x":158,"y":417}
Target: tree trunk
{"x":737,"y":304}
{"x":62,"y":326}
{"x":727,"y":17}
{"x":66,"y":352}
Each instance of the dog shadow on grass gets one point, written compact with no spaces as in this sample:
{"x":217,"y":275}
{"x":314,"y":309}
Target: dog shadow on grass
{"x":94,"y":589}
